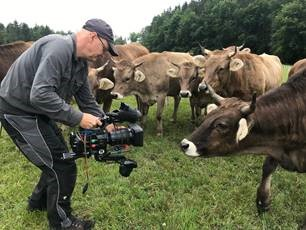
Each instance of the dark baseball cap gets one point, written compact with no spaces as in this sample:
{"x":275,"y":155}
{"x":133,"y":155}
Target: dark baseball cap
{"x":104,"y":31}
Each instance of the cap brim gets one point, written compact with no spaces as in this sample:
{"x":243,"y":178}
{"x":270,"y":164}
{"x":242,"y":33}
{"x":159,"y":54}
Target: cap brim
{"x":112,"y":49}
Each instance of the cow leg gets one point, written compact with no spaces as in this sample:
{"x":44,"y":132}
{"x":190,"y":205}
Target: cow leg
{"x":159,"y":112}
{"x":263,"y":199}
{"x":177,"y":100}
{"x":198,"y":115}
{"x":192,"y":108}
{"x":144,"y":111}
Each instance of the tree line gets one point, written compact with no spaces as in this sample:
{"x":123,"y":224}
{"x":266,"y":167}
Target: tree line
{"x":271,"y":26}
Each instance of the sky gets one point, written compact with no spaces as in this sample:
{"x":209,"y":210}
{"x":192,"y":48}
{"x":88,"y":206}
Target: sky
{"x":124,"y":16}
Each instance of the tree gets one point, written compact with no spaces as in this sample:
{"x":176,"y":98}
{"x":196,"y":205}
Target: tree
{"x":289,"y":32}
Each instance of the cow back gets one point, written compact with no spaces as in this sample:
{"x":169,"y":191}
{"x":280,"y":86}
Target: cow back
{"x":297,"y":66}
{"x":9,"y":53}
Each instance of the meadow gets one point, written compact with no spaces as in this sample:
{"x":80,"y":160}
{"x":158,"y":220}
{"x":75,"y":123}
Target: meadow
{"x":168,"y":190}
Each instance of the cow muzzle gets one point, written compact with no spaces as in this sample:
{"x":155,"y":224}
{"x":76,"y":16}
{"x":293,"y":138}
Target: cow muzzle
{"x":116,"y":95}
{"x":185,"y":93}
{"x":203,"y":88}
{"x":189,"y":148}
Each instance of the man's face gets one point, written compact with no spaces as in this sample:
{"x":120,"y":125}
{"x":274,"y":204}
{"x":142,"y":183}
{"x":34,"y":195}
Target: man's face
{"x":97,"y":47}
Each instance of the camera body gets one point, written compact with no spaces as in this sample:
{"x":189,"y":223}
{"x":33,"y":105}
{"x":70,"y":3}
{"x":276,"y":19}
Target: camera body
{"x":94,"y":142}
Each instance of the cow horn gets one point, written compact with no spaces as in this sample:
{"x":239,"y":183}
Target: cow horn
{"x":138,"y":64}
{"x":248,"y":109}
{"x":113,"y":60}
{"x":213,"y":94}
{"x":232,"y":54}
{"x":204,"y":51}
{"x":102,"y":67}
{"x":240,"y":47}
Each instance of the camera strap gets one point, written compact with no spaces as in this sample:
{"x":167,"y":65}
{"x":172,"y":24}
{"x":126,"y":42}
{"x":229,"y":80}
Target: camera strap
{"x":85,"y":187}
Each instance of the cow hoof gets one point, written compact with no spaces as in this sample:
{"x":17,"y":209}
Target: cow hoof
{"x":262,"y":206}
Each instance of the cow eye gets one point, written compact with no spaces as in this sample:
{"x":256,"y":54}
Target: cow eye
{"x":221,"y":126}
{"x":126,"y":79}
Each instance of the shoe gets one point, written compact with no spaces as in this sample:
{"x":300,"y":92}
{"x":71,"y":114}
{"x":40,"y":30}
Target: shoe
{"x":36,"y":206}
{"x":77,"y":224}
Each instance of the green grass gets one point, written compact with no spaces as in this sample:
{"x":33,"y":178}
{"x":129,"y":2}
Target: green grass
{"x":168,"y":190}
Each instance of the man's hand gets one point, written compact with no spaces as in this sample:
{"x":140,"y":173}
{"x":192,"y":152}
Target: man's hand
{"x":90,"y":121}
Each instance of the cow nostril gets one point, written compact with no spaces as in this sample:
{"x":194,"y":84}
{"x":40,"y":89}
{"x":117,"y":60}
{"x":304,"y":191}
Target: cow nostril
{"x":202,"y":87}
{"x":184,"y":146}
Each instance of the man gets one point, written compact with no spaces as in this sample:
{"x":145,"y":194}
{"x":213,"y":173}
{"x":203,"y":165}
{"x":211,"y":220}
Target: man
{"x":35,"y":93}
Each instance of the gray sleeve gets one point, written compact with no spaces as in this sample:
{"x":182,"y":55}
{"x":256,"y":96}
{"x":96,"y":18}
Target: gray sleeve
{"x":47,"y":79}
{"x":86,"y":100}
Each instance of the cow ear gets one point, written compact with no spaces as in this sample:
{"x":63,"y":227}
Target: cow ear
{"x":210,"y":108}
{"x":243,"y":130}
{"x":139,"y":76}
{"x":172,"y":72}
{"x":105,"y":84}
{"x":236,"y":64}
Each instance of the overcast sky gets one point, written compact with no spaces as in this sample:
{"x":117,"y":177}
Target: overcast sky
{"x":124,"y":16}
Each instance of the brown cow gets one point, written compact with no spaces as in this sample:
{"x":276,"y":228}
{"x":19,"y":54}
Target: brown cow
{"x":9,"y":53}
{"x":297,"y":66}
{"x":126,"y":52}
{"x":274,"y":125}
{"x":148,"y":77}
{"x":190,"y":75}
{"x":239,"y":74}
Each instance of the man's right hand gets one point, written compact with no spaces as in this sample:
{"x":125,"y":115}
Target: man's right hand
{"x":90,"y":121}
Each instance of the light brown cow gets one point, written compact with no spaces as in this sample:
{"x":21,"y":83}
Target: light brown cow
{"x":239,"y":74}
{"x":297,"y":66}
{"x":148,"y":77}
{"x":9,"y":53}
{"x":126,"y":52}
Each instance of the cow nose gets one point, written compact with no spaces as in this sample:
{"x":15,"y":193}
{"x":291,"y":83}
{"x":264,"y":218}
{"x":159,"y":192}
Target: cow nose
{"x":184,"y":93}
{"x":202,"y":87}
{"x":115,"y":95}
{"x":184,"y":146}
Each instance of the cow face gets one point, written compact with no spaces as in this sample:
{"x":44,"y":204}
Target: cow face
{"x":218,"y":68}
{"x":127,"y":79}
{"x":190,"y":74}
{"x":221,"y":131}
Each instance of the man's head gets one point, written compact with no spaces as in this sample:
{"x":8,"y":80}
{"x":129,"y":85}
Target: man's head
{"x":95,"y":39}
{"x":104,"y":31}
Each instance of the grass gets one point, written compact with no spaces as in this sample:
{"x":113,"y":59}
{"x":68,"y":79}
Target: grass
{"x":167,"y":191}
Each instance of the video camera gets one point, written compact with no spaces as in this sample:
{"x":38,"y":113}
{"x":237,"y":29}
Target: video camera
{"x":93,"y":142}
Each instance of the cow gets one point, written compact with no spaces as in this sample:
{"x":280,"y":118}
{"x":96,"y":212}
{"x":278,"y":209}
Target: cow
{"x":126,"y":52}
{"x":9,"y":53}
{"x":239,"y":74}
{"x":148,"y":78}
{"x":190,"y":75}
{"x":297,"y":66}
{"x":274,"y":125}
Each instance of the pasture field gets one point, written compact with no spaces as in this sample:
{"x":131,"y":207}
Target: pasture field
{"x":168,"y":190}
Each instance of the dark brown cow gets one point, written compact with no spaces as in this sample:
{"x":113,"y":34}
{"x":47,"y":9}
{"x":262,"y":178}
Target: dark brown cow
{"x":126,"y":52}
{"x":9,"y":53}
{"x":148,"y":78}
{"x":274,"y":125}
{"x":297,"y":66}
{"x":239,"y":74}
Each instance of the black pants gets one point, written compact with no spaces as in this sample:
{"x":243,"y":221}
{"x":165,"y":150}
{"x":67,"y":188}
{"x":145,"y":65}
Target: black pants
{"x":42,"y":143}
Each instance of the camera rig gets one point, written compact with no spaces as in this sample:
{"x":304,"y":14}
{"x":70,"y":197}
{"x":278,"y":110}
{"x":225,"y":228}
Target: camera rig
{"x":93,"y":142}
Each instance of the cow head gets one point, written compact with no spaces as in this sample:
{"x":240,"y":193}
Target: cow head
{"x":222,"y":130}
{"x":127,"y":78}
{"x":96,"y":83}
{"x":190,"y":74}
{"x":218,"y":68}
